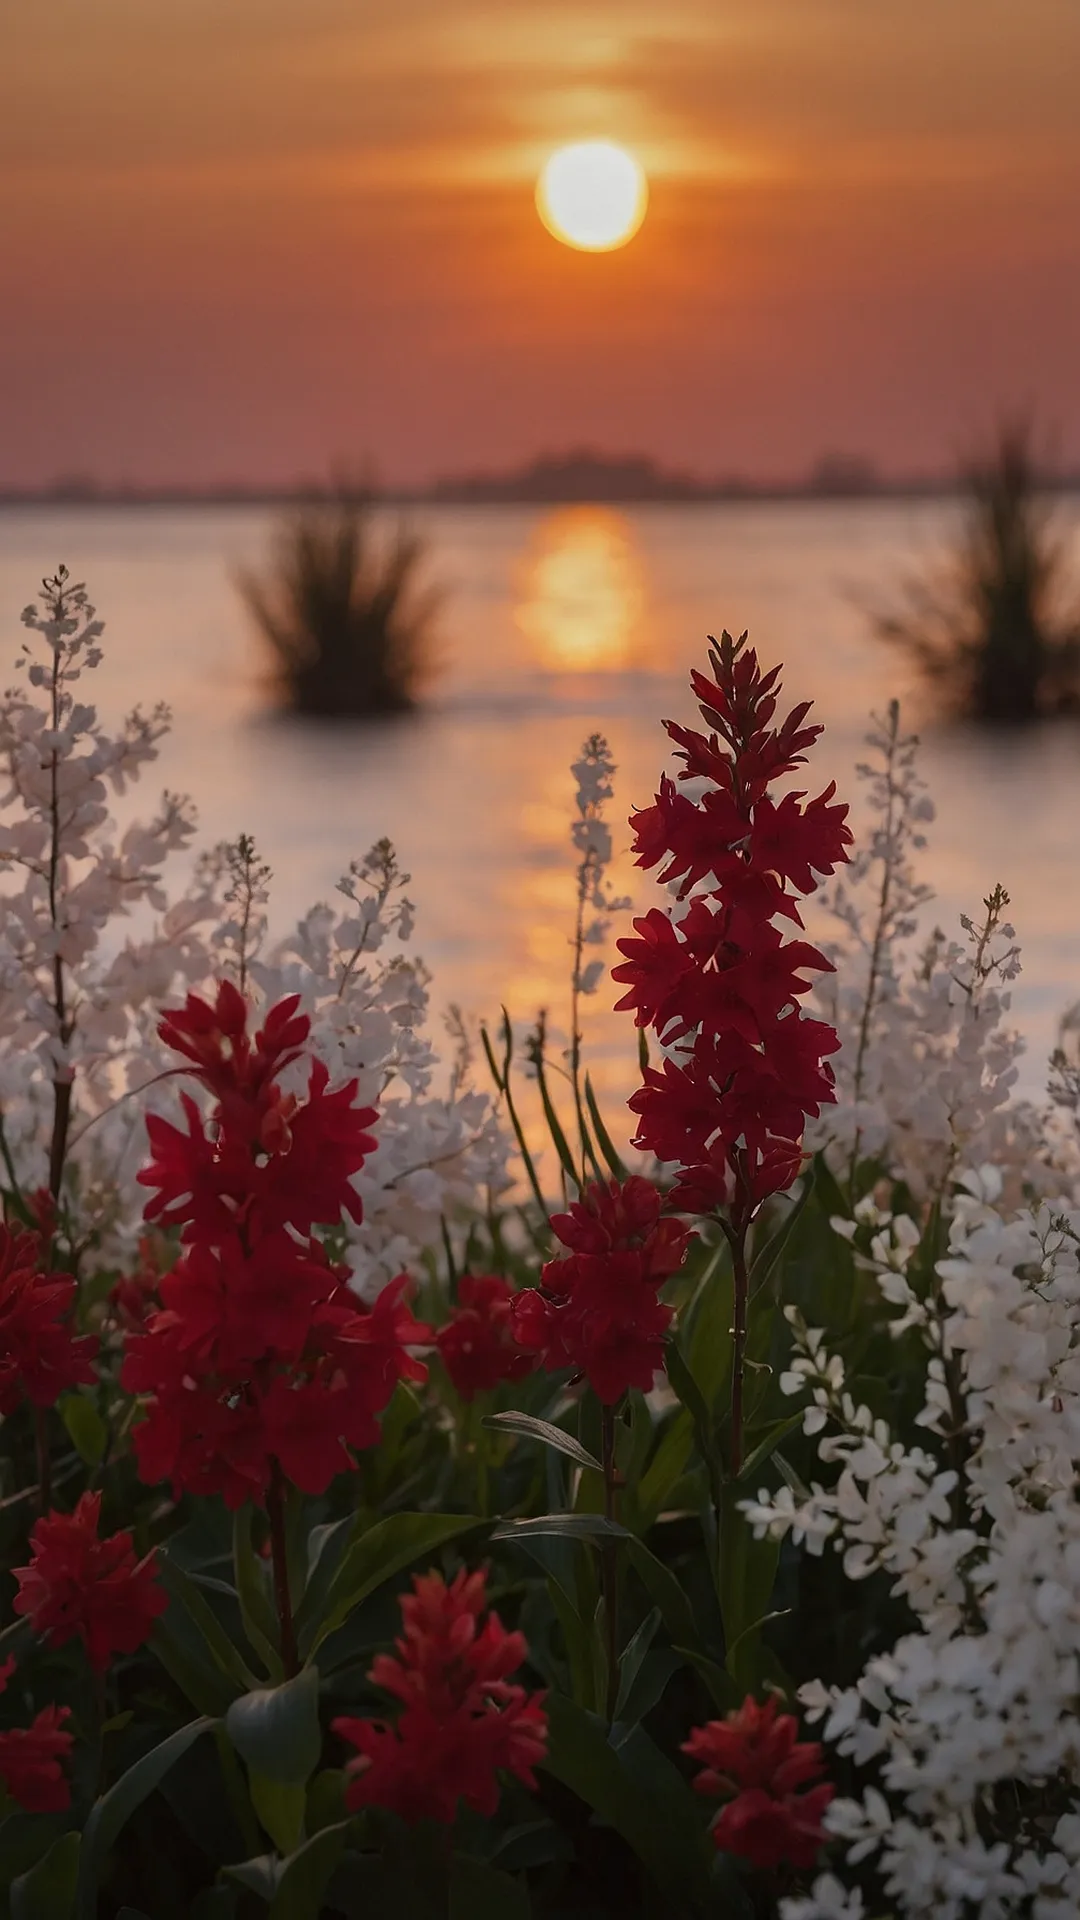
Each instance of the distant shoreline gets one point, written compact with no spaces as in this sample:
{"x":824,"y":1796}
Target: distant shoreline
{"x":478,"y":496}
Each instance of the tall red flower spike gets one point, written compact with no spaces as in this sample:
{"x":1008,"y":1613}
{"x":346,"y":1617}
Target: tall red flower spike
{"x":40,"y":1356}
{"x":599,"y":1311}
{"x":717,"y":979}
{"x":259,"y":1353}
{"x":477,"y":1345}
{"x":31,"y":1757}
{"x":772,"y":1783}
{"x":462,"y":1722}
{"x":78,"y":1586}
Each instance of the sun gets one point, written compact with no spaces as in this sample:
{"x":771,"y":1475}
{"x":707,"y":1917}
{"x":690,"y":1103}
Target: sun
{"x":592,"y":195}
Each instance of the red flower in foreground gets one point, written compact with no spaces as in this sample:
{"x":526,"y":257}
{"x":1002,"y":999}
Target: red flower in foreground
{"x":599,"y":1311}
{"x":79,"y":1586}
{"x":756,"y":1761}
{"x":717,"y":979}
{"x":259,"y":1352}
{"x":30,"y":1757}
{"x":477,"y":1345}
{"x":462,"y":1722}
{"x":40,"y":1356}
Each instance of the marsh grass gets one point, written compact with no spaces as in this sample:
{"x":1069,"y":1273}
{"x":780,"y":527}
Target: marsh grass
{"x":345,"y":612}
{"x":996,"y":627}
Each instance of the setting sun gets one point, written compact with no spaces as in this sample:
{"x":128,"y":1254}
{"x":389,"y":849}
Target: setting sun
{"x":592,"y":195}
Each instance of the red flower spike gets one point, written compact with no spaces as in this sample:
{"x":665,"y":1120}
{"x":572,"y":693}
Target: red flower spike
{"x":258,"y":1352}
{"x":78,"y":1586}
{"x":718,"y":983}
{"x":462,"y":1721}
{"x":599,"y":1312}
{"x":40,"y":1356}
{"x":755,"y":1760}
{"x":477,"y":1345}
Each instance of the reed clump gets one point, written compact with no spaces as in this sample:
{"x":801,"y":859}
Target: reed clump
{"x":345,"y":611}
{"x":995,"y":628}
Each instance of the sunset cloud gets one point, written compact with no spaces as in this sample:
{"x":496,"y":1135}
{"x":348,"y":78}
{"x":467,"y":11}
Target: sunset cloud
{"x":243,"y":238}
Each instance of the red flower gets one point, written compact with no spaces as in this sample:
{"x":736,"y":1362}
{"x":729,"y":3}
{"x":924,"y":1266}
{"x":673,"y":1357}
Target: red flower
{"x":259,"y":1352}
{"x":40,"y":1356}
{"x":78,"y":1586}
{"x":30,"y":1762}
{"x":719,"y":983}
{"x":598,"y":1311}
{"x":462,"y":1722}
{"x":756,"y":1761}
{"x":477,"y":1345}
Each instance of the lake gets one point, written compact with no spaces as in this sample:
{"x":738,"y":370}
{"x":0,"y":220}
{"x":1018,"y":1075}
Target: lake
{"x":557,"y":622}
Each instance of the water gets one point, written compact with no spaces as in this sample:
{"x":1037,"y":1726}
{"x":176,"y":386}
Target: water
{"x":557,"y":622}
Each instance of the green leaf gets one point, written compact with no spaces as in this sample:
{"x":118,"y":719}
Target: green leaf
{"x":665,"y":1468}
{"x":326,"y":1799}
{"x":307,"y":1873}
{"x":47,"y":1892}
{"x":185,"y":1591}
{"x":685,"y":1385}
{"x":109,"y":1815}
{"x":256,"y":1612}
{"x":563,"y":1526}
{"x":741,"y":1661}
{"x":550,"y":1436}
{"x":745,"y":1579}
{"x":204,"y":1685}
{"x":616,"y":1166}
{"x":666,"y":1593}
{"x":554,"y":1124}
{"x":480,"y":1892}
{"x":633,"y":1656}
{"x":766,"y":1258}
{"x":791,"y":1478}
{"x":644,"y":1798}
{"x":720,"y":1684}
{"x":767,"y":1442}
{"x":280,"y":1809}
{"x":502,"y":1081}
{"x":706,"y":1339}
{"x":260,"y":1875}
{"x":86,"y":1429}
{"x":276,"y":1729}
{"x":650,"y":1685}
{"x":369,"y":1561}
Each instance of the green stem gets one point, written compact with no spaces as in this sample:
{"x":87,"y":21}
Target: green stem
{"x":738,"y":1335}
{"x":609,"y":1564}
{"x":275,"y":1508}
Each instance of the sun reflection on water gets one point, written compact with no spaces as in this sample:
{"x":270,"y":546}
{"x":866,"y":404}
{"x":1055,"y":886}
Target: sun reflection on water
{"x":581,"y":591}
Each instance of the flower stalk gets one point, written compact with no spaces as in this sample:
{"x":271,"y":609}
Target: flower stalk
{"x":609,"y":1559}
{"x":275,"y":1509}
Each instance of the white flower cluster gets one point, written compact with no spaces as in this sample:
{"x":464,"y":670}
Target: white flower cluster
{"x":440,"y":1152}
{"x":927,"y":1063}
{"x":591,"y":835}
{"x":79,"y":1010}
{"x":76,"y":1019}
{"x":969,"y":1728}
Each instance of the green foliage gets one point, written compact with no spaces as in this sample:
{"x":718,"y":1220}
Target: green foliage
{"x":345,"y":615}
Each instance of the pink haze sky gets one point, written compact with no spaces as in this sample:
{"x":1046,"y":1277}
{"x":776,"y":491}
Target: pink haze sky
{"x":243,"y":239}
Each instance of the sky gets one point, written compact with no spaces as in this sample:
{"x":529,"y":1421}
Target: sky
{"x":246,"y":240}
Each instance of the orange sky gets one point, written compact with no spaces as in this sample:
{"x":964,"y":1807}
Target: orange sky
{"x":241,"y":238}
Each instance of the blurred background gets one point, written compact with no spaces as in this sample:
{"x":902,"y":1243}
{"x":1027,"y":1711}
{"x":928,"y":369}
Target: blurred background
{"x":396,"y":490}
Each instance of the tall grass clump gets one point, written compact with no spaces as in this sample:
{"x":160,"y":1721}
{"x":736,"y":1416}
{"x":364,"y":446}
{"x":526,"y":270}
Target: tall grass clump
{"x":346,"y":614}
{"x":994,"y":628}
